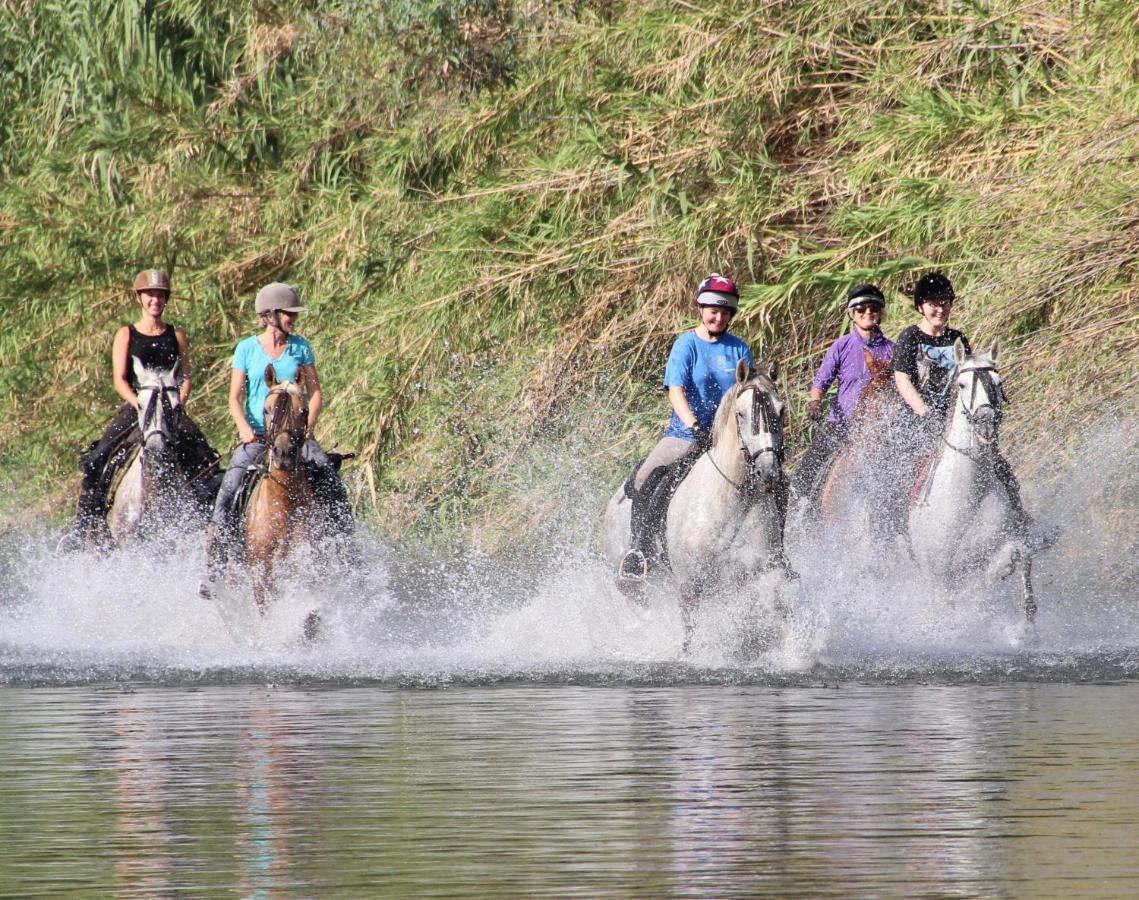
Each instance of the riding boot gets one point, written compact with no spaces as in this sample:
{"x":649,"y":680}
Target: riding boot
{"x":90,"y":530}
{"x":216,"y":557}
{"x":332,"y":495}
{"x":634,"y":565}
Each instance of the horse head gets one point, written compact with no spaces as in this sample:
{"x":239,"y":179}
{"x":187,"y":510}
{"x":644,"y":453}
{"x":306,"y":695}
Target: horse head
{"x":286,"y":422}
{"x":979,"y":397}
{"x":754,"y":412}
{"x":159,"y":405}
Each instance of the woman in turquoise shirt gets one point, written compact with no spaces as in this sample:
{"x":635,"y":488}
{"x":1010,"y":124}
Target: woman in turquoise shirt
{"x":293,"y":359}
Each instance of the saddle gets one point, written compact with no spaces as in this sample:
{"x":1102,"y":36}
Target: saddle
{"x":328,"y":491}
{"x":122,"y":454}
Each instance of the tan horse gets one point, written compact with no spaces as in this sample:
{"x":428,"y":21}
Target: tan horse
{"x":281,"y":507}
{"x":856,"y":473}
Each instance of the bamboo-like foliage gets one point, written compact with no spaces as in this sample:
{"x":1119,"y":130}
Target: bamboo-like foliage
{"x":496,"y":212}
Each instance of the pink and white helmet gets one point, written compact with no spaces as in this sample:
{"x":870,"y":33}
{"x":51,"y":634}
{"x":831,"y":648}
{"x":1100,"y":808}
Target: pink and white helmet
{"x":717,"y":290}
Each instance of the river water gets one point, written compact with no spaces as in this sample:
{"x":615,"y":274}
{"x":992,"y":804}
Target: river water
{"x":474,"y":729}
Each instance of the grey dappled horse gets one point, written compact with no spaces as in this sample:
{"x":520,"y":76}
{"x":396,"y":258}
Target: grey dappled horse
{"x":724,"y":525}
{"x":960,"y":523}
{"x":153,"y":490}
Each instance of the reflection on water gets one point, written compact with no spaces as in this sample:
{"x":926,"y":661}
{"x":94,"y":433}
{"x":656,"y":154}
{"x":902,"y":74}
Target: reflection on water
{"x":570,"y":791}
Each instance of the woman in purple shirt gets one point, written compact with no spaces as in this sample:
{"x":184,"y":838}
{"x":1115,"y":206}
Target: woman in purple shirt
{"x":844,"y":363}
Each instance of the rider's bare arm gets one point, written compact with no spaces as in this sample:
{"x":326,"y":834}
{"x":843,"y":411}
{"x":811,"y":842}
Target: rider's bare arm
{"x":237,"y":407}
{"x":311,"y":383}
{"x":909,"y":393}
{"x":680,"y":405}
{"x":183,"y":364}
{"x":119,"y":363}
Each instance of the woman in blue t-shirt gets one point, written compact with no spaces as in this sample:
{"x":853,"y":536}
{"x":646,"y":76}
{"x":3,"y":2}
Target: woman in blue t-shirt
{"x":292,"y":359}
{"x":701,"y":368}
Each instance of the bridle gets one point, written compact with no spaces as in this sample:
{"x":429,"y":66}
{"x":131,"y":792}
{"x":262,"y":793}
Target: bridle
{"x":158,"y":399}
{"x":283,"y":417}
{"x":761,"y":412}
{"x":986,"y":414}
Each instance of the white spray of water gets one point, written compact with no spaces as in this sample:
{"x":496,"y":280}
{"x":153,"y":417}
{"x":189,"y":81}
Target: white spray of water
{"x":856,"y":609}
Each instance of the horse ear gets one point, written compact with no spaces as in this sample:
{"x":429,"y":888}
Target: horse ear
{"x":270,"y":375}
{"x":136,"y":365}
{"x":995,"y":351}
{"x":772,"y":370}
{"x":743,"y":371}
{"x":958,"y":352}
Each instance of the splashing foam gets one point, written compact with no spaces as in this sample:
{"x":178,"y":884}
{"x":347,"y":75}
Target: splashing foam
{"x":858,"y":611}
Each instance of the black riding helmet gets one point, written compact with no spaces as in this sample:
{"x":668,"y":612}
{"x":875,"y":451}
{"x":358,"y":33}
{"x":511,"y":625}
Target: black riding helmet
{"x":932,"y":286}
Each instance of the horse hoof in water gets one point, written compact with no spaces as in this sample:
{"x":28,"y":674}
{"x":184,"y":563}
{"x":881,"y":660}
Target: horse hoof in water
{"x":312,"y":626}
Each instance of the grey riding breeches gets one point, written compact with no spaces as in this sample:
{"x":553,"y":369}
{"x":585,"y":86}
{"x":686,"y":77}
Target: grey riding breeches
{"x":667,"y":451}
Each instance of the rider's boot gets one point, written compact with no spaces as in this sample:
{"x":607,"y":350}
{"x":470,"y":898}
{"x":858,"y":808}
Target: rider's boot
{"x":634,"y":565}
{"x":90,"y":529}
{"x":332,"y":495}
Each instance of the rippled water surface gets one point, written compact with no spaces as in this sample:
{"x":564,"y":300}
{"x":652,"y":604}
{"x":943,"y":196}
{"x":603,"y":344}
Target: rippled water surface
{"x":569,"y":790}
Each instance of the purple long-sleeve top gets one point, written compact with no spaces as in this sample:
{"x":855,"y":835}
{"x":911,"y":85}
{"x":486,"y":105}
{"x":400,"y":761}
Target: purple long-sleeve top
{"x":845,"y":363}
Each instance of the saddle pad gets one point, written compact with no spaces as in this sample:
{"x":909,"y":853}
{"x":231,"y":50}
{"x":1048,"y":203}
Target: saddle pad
{"x":117,"y":467}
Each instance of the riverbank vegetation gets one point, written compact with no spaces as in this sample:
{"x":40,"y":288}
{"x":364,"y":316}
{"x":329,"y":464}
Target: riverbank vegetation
{"x":496,"y":212}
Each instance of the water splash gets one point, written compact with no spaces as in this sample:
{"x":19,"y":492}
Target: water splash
{"x":857,"y":613}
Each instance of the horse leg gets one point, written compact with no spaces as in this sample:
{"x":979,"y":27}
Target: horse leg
{"x":262,"y":579}
{"x":1029,"y":595}
{"x":689,"y":600}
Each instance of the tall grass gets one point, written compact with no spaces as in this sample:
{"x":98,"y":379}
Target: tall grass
{"x":496,"y":212}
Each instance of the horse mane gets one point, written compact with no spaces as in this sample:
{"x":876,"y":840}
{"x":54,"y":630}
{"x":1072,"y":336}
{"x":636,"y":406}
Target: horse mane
{"x":725,"y":417}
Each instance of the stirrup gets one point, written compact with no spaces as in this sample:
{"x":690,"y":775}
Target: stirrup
{"x":634,"y":566}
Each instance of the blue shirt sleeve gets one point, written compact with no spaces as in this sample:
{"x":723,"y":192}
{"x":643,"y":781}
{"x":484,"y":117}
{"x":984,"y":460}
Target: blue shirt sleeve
{"x":240,"y":357}
{"x":306,"y":357}
{"x":681,"y":359}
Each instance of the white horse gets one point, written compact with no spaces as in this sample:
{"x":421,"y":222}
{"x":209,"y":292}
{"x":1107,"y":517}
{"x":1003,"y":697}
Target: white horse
{"x":153,"y":489}
{"x":724,"y":525}
{"x":960,"y":523}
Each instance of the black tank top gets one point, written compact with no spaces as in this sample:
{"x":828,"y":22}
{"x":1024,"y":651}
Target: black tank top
{"x":157,"y":352}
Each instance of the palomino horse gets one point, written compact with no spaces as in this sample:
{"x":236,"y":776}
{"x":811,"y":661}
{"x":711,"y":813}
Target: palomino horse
{"x":279,"y":511}
{"x":724,"y":525}
{"x":960,"y":522}
{"x":857,"y":485}
{"x":153,"y":490}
